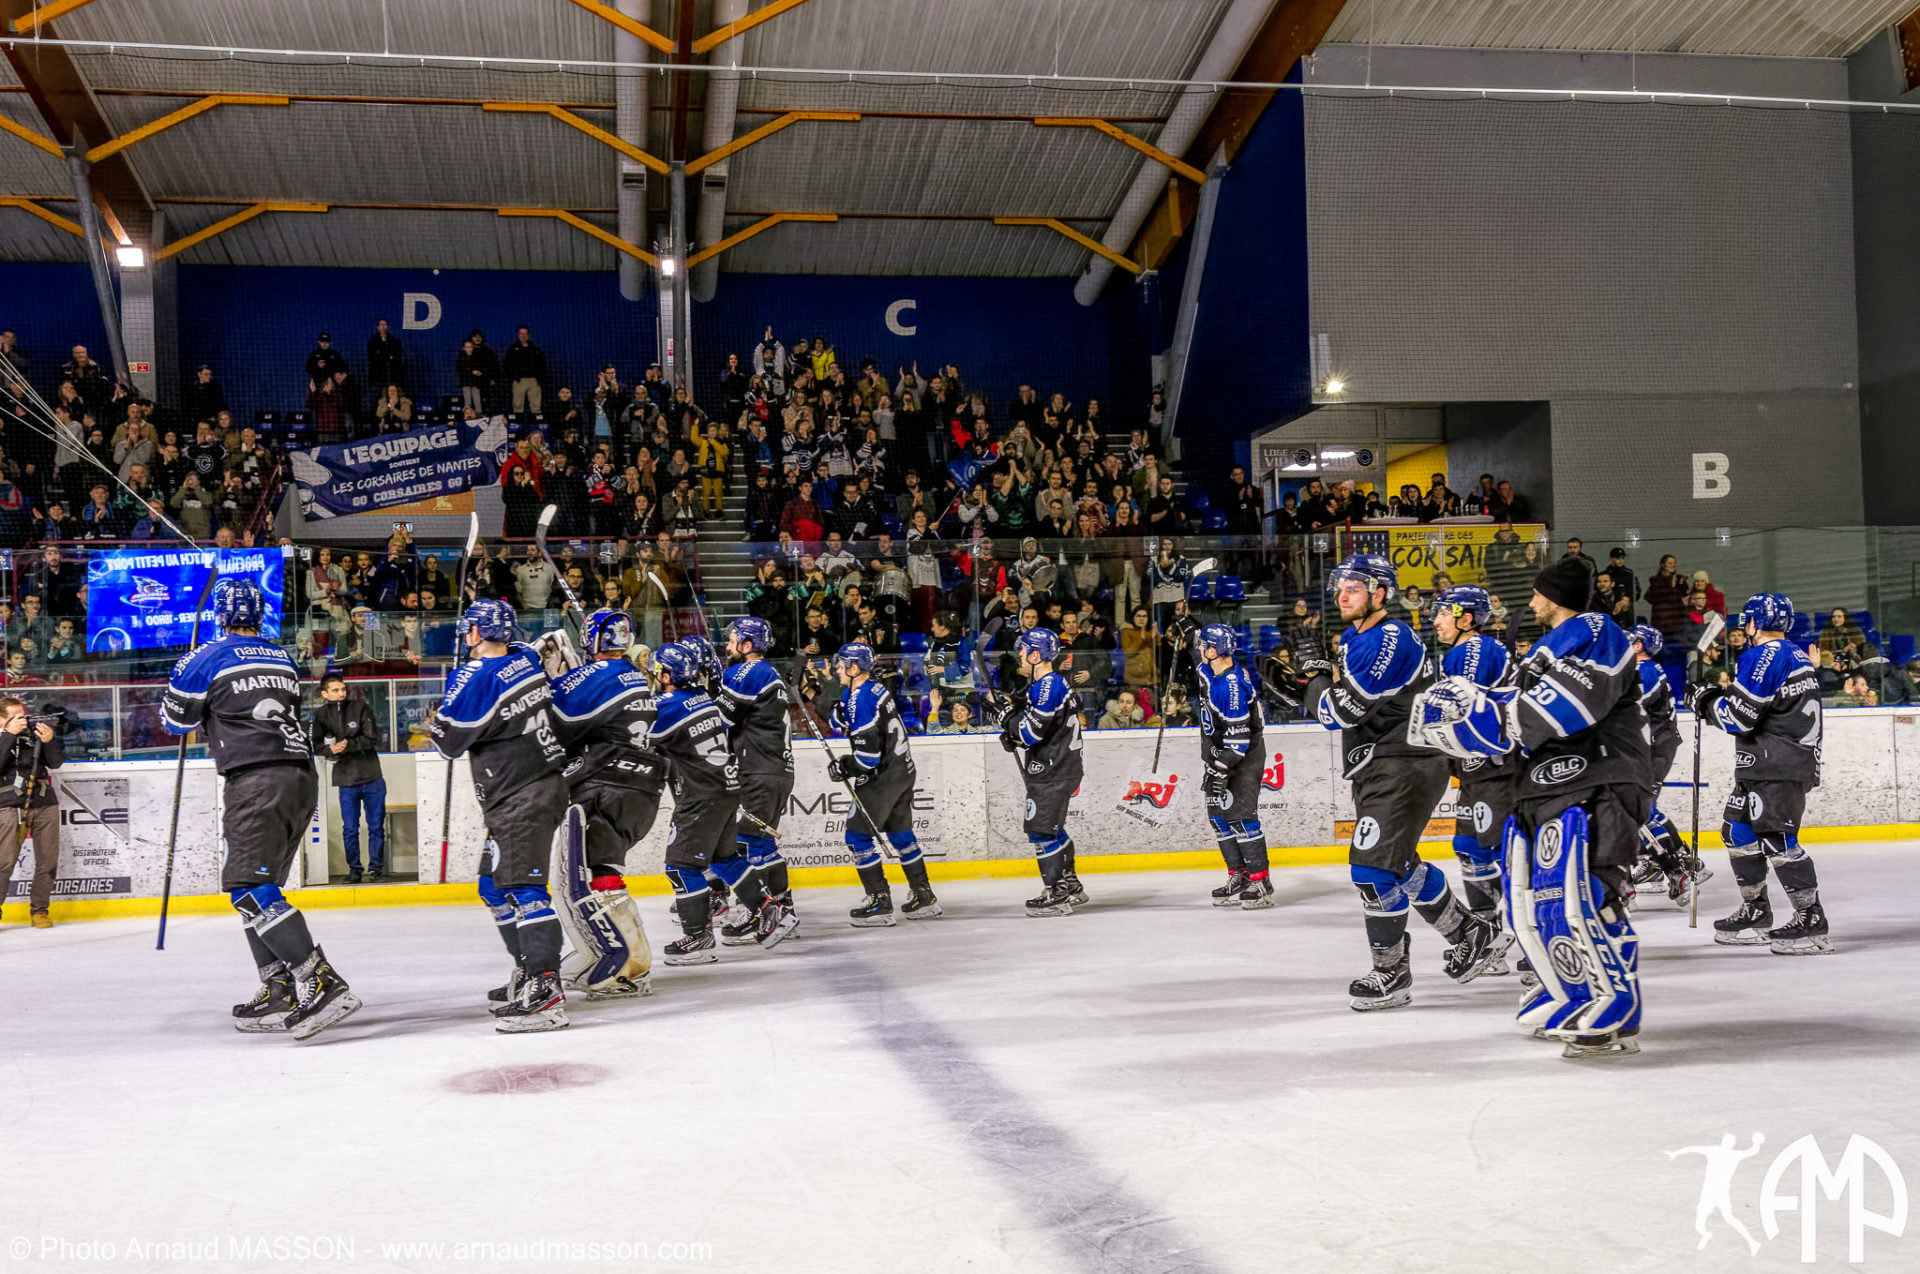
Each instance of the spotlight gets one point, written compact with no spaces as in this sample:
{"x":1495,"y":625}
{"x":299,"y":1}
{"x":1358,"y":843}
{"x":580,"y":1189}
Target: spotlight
{"x":669,"y":267}
{"x":131,"y":258}
{"x":1335,"y":385}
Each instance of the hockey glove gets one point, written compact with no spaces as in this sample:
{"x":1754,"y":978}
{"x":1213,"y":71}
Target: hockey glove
{"x":1215,"y":784}
{"x":837,"y":717}
{"x":1314,"y":666}
{"x":1701,"y":698}
{"x":1010,"y":734}
{"x":837,"y":769}
{"x":1285,"y":694}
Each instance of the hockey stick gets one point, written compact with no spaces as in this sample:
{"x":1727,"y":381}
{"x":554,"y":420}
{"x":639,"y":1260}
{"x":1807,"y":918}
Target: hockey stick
{"x":1714,"y":628}
{"x":180,"y":761}
{"x":446,"y":801}
{"x":819,"y":736}
{"x":1205,"y":566}
{"x":666,"y":604}
{"x":559,"y":577}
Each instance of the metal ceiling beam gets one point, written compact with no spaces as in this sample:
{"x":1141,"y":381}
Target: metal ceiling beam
{"x":39,"y":17}
{"x":640,"y":30}
{"x":767,"y":130}
{"x":765,"y":223}
{"x":1292,"y":31}
{"x":1088,"y":242}
{"x":51,"y":218}
{"x":1121,"y":135}
{"x":585,"y":227}
{"x":571,"y":120}
{"x":32,"y":138}
{"x":227,"y":223}
{"x":66,"y":105}
{"x":181,"y":116}
{"x":732,"y":30}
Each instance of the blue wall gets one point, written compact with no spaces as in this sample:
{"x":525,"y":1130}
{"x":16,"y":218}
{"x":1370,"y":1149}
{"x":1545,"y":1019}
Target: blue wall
{"x":1250,"y":366}
{"x":51,"y":306}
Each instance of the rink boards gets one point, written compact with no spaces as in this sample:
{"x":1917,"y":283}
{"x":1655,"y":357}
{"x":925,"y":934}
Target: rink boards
{"x":971,"y":802}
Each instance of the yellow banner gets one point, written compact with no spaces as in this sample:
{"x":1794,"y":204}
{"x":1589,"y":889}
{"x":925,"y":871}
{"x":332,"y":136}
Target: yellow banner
{"x":1420,"y":552}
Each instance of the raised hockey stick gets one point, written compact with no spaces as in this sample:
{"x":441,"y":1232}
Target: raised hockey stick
{"x":666,"y":603}
{"x":446,"y":802}
{"x":819,"y":736}
{"x":559,"y":577}
{"x":1205,"y":566}
{"x":180,"y":762}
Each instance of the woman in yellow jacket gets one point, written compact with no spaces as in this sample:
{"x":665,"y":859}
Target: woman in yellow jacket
{"x":712,"y":447}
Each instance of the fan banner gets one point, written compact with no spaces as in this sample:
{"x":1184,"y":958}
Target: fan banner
{"x":399,"y":468}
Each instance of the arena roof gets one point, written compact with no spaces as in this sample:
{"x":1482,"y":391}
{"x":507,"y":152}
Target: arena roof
{"x":384,"y":121}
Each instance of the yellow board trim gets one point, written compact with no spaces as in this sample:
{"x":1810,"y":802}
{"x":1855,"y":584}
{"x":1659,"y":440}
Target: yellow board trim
{"x":333,"y":897}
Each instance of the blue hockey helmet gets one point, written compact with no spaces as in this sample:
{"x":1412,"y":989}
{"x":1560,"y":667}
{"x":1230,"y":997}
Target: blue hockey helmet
{"x":752,"y":631}
{"x":1768,"y":612}
{"x":1369,"y":569}
{"x":1220,"y":637}
{"x":677,"y":664}
{"x":703,"y":653}
{"x":1466,"y":599}
{"x":491,"y":618}
{"x":238,"y":603}
{"x":857,"y":653}
{"x":1042,"y":643}
{"x":1652,"y":640}
{"x":608,"y":631}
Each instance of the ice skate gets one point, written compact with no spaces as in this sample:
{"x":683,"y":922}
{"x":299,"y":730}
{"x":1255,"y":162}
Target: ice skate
{"x":875,"y":911}
{"x":1389,"y":985}
{"x":1257,"y":896}
{"x":619,"y":988}
{"x":693,"y":948}
{"x":1746,"y":927}
{"x":922,"y":906}
{"x":1481,"y":943}
{"x":1229,"y":894}
{"x":268,"y":1009}
{"x":541,"y":1005}
{"x":1053,"y":900}
{"x":1076,"y":894}
{"x":508,"y":989}
{"x":324,"y":998}
{"x":778,"y":922}
{"x":1612,"y":1044}
{"x":1805,"y":934}
{"x":742,"y":933}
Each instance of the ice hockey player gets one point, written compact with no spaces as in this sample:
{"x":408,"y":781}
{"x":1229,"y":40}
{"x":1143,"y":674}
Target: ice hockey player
{"x":703,"y":838}
{"x":1396,"y":786}
{"x":878,"y":767}
{"x":723,"y":911}
{"x":1486,"y":782}
{"x":1233,"y":748}
{"x":603,"y":709}
{"x":497,"y":712}
{"x":1773,"y":711}
{"x":1045,"y":721}
{"x":244,"y":692}
{"x":756,"y":706}
{"x":1664,"y":860}
{"x":1579,"y":801}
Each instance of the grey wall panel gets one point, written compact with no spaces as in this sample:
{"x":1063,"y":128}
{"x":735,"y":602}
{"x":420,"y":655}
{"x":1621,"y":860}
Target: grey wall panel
{"x":1512,"y":441}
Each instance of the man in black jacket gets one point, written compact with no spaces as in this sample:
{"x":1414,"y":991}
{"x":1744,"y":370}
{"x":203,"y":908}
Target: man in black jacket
{"x":344,"y":732}
{"x":28,"y":806}
{"x":525,"y":368}
{"x":386,"y":360}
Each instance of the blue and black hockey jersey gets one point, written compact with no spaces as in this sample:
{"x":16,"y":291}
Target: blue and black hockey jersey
{"x":1486,"y":663}
{"x":1232,"y":724}
{"x":754,"y":701}
{"x":690,"y":733}
{"x":604,"y":710}
{"x":877,"y":736}
{"x":1049,"y":729}
{"x":245,"y":693}
{"x":1773,"y":710}
{"x":1381,"y":670}
{"x":1581,"y":724}
{"x":1656,"y":700}
{"x":498,"y":712}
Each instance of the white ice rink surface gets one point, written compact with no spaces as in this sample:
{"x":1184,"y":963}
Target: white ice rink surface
{"x":1150,"y":1084}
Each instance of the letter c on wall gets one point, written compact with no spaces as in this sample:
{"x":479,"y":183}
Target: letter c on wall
{"x":894,"y":312}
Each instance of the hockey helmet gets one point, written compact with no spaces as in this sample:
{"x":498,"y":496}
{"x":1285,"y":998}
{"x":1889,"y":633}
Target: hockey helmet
{"x":1652,"y":640}
{"x":238,"y":603}
{"x":1768,"y":612}
{"x":677,"y":664}
{"x":1221,"y":638}
{"x":489,"y":617}
{"x":752,"y":631}
{"x":857,"y":653}
{"x":1466,"y":599}
{"x":1370,"y":569}
{"x":608,"y":631}
{"x":1042,"y":643}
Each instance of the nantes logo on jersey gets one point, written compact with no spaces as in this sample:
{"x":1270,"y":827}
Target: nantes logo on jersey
{"x":1145,"y":801}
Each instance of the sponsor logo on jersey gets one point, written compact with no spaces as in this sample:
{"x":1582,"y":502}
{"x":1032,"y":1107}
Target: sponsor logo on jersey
{"x":1563,"y":769}
{"x":1359,"y":757}
{"x":1743,"y":759}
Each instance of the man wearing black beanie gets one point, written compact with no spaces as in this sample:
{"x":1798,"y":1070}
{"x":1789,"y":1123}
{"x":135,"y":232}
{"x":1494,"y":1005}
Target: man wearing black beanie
{"x":1585,"y":767}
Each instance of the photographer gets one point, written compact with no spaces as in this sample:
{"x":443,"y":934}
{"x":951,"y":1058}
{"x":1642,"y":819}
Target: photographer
{"x":345,"y":733}
{"x":29,"y":748}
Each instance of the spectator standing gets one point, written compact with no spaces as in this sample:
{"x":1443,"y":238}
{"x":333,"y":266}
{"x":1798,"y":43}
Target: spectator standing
{"x":1716,"y":600}
{"x":534,"y":579}
{"x":525,"y":367}
{"x":203,"y":399}
{"x":478,"y":371}
{"x":345,"y":733}
{"x":28,"y":805}
{"x":521,"y":502}
{"x":325,"y":363}
{"x":386,"y":358}
{"x":1667,"y":599}
{"x":1623,"y":578}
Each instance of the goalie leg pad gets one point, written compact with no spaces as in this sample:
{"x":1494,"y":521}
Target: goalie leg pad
{"x":1588,"y":955}
{"x":610,"y":952}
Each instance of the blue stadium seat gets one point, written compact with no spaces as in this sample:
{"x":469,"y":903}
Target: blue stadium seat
{"x":453,"y":405}
{"x":1198,"y":500}
{"x":1230,"y":594}
{"x":1864,"y":618}
{"x":892,"y":523}
{"x":913,"y":643}
{"x":266,"y":419}
{"x":1269,"y":638}
{"x":1804,"y":626}
{"x":1200,"y":593}
{"x":1901,"y":647}
{"x":1213,"y":520}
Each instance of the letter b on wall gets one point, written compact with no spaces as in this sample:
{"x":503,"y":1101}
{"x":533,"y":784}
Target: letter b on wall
{"x":420,"y":311}
{"x":1712,"y":478}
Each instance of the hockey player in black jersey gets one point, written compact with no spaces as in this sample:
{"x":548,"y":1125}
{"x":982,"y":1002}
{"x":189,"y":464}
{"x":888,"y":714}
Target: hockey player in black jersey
{"x":1578,"y":736}
{"x":497,"y":712}
{"x":1046,"y":722}
{"x":878,"y":765}
{"x":1486,"y":782}
{"x":754,"y":701}
{"x":1665,"y":861}
{"x":244,"y":693}
{"x":690,"y":733}
{"x":1396,"y":786}
{"x":1773,"y":711}
{"x":1233,"y":747}
{"x":603,"y":709}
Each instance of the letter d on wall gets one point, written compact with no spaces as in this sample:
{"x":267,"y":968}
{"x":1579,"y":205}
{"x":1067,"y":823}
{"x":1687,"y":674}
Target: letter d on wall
{"x":421,"y":310}
{"x":1712,"y":478}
